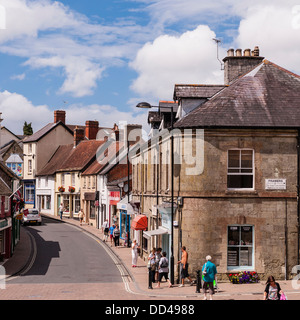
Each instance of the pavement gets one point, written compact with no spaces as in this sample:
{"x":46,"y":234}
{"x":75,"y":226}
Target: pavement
{"x":136,"y":279}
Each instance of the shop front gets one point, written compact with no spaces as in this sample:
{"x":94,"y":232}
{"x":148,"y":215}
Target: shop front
{"x":113,"y":199}
{"x":5,"y":238}
{"x":71,"y":203}
{"x":89,"y":208}
{"x":163,"y":232}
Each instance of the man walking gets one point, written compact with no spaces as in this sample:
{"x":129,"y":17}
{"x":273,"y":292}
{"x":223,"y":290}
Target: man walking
{"x":184,"y":267}
{"x":209,"y":272}
{"x":61,"y":210}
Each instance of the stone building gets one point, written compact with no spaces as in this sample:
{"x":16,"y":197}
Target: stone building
{"x":236,"y":173}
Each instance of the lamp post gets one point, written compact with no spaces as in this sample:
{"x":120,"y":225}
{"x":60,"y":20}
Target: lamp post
{"x":146,"y":105}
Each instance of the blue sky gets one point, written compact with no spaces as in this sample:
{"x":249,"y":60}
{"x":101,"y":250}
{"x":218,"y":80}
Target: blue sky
{"x":98,"y":58}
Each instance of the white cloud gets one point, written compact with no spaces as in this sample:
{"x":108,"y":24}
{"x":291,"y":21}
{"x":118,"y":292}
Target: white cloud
{"x":81,"y":74}
{"x":190,"y":58}
{"x":16,"y":109}
{"x":18,"y":77}
{"x":272,"y":29}
{"x":51,"y":35}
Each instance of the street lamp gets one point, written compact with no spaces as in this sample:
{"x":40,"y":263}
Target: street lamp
{"x":146,"y":105}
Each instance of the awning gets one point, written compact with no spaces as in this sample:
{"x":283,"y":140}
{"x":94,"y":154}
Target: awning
{"x":155,"y":232}
{"x":140,"y":222}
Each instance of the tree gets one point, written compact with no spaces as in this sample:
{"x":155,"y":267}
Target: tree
{"x":27,"y":129}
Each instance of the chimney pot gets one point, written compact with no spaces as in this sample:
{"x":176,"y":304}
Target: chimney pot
{"x":247,"y":52}
{"x":238,"y":52}
{"x":256,"y":51}
{"x":230,"y":53}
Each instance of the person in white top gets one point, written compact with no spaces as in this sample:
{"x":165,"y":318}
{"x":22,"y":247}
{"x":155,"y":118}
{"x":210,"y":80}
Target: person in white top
{"x":134,"y":253}
{"x":105,"y":229}
{"x":163,"y":270}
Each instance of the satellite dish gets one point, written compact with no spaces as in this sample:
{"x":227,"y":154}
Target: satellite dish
{"x":126,"y":188}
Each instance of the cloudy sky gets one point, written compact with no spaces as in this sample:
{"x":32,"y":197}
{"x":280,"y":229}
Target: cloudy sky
{"x":97,"y":59}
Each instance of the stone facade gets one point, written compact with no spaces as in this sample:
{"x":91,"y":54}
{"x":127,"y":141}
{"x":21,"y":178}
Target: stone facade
{"x":209,"y":208}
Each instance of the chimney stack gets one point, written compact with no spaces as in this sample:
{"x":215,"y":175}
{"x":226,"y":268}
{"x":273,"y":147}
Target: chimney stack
{"x":91,"y":129}
{"x":78,"y":136}
{"x":137,"y":133}
{"x":60,"y":115}
{"x":238,"y":64}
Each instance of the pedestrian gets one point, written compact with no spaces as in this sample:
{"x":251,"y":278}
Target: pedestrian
{"x":209,"y":271}
{"x":152,"y":265}
{"x":81,"y":216}
{"x":111,"y":233}
{"x":163,"y":270}
{"x":134,"y":253}
{"x":61,"y":210}
{"x":105,"y":230}
{"x":184,"y":267}
{"x":272,"y":290}
{"x":158,"y":256}
{"x":116,"y":235}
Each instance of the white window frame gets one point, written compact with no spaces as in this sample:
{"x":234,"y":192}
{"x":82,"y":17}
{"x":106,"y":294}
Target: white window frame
{"x":239,"y":267}
{"x":240,"y":168}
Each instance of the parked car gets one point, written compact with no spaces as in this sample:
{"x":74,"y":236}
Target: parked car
{"x":31,"y":216}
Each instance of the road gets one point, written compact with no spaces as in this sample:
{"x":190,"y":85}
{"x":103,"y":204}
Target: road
{"x":67,"y":263}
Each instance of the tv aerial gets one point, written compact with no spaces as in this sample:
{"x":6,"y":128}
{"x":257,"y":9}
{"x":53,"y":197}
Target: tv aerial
{"x":217,"y":42}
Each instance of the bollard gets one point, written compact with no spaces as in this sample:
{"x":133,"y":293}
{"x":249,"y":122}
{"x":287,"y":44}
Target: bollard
{"x":198,"y":286}
{"x":149,"y":278}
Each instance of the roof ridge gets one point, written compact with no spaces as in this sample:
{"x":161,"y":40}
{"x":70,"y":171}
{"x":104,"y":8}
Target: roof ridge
{"x":281,"y":68}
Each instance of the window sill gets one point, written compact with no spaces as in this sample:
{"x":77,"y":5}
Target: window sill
{"x":241,"y":191}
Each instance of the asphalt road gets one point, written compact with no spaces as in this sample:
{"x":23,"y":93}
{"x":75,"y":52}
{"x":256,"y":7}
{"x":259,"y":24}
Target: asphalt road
{"x":65,"y":254}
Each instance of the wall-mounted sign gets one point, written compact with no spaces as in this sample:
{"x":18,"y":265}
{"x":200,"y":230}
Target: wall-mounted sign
{"x":114,"y":197}
{"x":275,"y":184}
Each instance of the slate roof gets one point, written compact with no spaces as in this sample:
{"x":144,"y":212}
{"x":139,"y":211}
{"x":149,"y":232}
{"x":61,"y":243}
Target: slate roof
{"x":199,"y":91}
{"x":266,"y":97}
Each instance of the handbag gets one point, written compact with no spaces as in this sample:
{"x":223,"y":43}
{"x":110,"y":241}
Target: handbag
{"x":283,"y":297}
{"x":153,"y":267}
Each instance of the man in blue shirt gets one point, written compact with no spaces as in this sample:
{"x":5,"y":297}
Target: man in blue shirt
{"x":111,"y":231}
{"x":209,"y":272}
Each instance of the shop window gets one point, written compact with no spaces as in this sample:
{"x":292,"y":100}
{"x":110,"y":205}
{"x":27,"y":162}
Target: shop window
{"x":77,"y":203}
{"x":29,"y":193}
{"x":66,"y":202}
{"x":240,"y":247}
{"x":48,"y":202}
{"x":240,"y":173}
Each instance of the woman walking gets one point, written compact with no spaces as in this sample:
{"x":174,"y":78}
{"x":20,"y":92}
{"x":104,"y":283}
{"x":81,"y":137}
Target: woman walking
{"x":134,"y":253}
{"x":272,"y":290}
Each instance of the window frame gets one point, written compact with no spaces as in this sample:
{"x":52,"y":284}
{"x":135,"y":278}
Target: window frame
{"x":239,"y":246}
{"x":240,"y":168}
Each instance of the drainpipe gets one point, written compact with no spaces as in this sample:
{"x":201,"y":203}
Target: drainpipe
{"x":286,"y":241}
{"x":298,"y":186}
